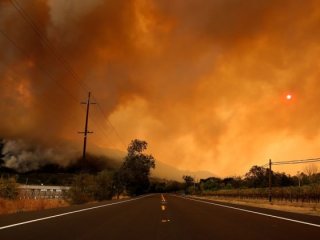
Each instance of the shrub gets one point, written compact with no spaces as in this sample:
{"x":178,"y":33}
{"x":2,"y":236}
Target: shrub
{"x":104,"y":186}
{"x":82,"y":189}
{"x":8,"y":188}
{"x":86,"y":187}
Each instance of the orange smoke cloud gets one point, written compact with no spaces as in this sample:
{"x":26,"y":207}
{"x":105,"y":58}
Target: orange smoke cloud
{"x":203,"y":82}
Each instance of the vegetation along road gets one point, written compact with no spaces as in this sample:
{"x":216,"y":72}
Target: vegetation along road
{"x":159,"y":216}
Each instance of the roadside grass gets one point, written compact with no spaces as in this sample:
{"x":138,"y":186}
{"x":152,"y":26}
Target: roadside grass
{"x":22,"y":205}
{"x":309,"y":208}
{"x":8,"y":206}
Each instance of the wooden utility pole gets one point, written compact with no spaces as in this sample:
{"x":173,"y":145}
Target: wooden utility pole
{"x":270,"y":181}
{"x":86,"y":132}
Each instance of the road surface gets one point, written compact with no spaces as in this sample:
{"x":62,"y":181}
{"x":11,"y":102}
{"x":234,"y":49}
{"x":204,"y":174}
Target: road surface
{"x":159,"y":217}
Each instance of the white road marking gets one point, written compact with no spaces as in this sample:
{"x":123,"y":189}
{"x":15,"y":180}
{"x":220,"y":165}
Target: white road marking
{"x":163,"y":207}
{"x":72,"y":212}
{"x":254,"y":212}
{"x":162,"y":198}
{"x":165,"y":220}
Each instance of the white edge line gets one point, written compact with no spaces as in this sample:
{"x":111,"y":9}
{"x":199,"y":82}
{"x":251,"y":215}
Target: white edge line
{"x":254,"y":212}
{"x":72,"y":212}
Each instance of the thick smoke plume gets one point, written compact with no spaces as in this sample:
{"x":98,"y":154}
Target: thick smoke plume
{"x":23,"y":157}
{"x":203,"y":82}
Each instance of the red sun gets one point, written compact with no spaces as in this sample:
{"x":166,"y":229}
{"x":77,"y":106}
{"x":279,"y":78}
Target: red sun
{"x":289,"y":97}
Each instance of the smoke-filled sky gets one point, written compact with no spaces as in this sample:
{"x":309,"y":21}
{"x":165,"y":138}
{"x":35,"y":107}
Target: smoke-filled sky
{"x":203,"y":82}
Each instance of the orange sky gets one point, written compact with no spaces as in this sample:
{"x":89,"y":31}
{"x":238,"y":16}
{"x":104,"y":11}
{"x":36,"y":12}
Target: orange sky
{"x":203,"y":82}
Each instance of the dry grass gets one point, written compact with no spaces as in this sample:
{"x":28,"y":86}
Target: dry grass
{"x":296,"y":207}
{"x":22,"y":205}
{"x":121,"y":197}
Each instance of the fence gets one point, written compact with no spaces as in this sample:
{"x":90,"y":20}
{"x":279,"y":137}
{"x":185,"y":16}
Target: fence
{"x":40,"y":191}
{"x":309,"y":193}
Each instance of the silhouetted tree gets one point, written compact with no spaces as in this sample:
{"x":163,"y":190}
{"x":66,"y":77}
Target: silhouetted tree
{"x":311,"y":170}
{"x":257,"y":177}
{"x":189,"y":182}
{"x":174,"y":186}
{"x":135,"y":171}
{"x":157,"y":186}
{"x":231,"y":182}
{"x":211,"y":183}
{"x":282,"y":180}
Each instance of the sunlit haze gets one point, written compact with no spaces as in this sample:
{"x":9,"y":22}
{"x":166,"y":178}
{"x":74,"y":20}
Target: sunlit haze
{"x":205,"y":83}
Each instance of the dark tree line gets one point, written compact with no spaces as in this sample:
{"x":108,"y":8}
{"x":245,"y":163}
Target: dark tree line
{"x":165,"y":186}
{"x":258,"y":177}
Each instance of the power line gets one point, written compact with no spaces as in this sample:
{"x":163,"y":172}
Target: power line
{"x":46,"y":73}
{"x":297,"y":161}
{"x":102,"y":130}
{"x":284,"y":163}
{"x":38,"y":66}
{"x":308,"y":160}
{"x":53,"y":104}
{"x":58,"y":56}
{"x":111,"y":125}
{"x":97,"y":119}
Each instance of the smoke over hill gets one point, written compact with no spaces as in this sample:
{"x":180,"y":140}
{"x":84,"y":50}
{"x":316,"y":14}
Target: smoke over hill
{"x":203,"y":82}
{"x":24,"y":157}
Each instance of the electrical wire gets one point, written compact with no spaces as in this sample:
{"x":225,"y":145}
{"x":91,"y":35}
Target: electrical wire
{"x":60,"y":58}
{"x":57,"y":55}
{"x":105,"y":116}
{"x":309,"y":160}
{"x":46,"y":73}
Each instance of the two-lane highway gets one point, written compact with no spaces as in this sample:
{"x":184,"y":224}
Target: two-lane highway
{"x":159,"y":217}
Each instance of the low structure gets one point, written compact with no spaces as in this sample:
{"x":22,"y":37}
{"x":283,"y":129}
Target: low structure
{"x":41,"y":191}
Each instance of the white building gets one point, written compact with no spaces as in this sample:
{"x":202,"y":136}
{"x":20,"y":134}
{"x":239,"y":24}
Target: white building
{"x":41,"y":191}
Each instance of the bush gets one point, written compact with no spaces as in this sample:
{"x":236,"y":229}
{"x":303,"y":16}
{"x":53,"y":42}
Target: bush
{"x":82,"y":189}
{"x":8,"y":188}
{"x":104,"y":186}
{"x":86,"y":187}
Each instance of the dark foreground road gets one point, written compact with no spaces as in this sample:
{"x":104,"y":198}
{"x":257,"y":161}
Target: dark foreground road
{"x":150,"y":218}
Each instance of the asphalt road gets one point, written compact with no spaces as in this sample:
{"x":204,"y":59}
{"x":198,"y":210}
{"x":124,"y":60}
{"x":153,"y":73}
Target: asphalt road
{"x":159,"y":217}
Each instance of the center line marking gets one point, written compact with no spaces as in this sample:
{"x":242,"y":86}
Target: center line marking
{"x":162,"y":198}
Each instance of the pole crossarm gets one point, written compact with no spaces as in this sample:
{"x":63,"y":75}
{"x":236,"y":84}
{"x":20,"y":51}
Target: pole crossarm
{"x":86,"y":132}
